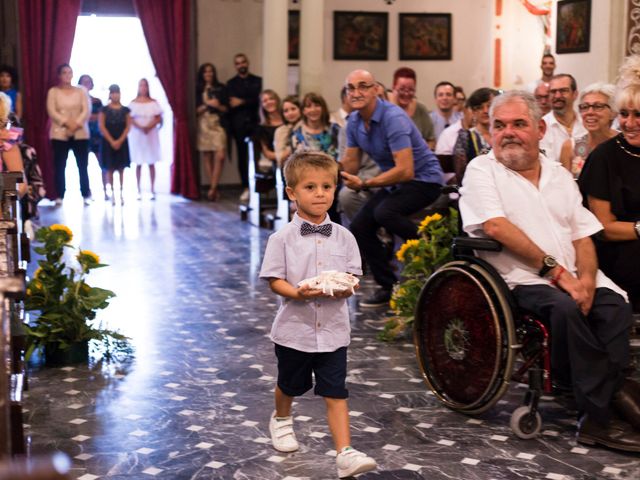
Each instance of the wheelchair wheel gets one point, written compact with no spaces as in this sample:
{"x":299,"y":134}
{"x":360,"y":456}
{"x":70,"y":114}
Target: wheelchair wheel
{"x":524,"y":424}
{"x":463,"y":335}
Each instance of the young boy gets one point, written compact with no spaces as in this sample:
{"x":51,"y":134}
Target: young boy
{"x":311,"y":329}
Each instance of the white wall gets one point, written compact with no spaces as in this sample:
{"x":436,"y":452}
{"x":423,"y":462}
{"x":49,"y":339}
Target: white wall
{"x":591,"y":66}
{"x":472,"y":55}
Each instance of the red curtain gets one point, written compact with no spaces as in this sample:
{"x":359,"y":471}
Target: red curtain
{"x":46,"y":36}
{"x":166,"y":26}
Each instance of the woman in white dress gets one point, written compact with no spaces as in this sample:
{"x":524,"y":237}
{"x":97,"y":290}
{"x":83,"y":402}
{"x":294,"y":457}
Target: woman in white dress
{"x":144,"y":141}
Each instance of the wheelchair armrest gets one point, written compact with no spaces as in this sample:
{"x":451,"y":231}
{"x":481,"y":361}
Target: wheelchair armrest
{"x":447,"y":189}
{"x":485,"y":244}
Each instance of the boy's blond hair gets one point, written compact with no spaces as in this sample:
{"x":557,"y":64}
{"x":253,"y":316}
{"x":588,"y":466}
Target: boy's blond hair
{"x":299,"y":161}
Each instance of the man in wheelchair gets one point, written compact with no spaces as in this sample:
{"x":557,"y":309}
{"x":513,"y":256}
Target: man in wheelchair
{"x":531,"y":205}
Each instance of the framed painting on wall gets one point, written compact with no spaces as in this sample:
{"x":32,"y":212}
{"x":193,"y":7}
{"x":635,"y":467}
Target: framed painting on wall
{"x":360,"y":35}
{"x":294,"y":34}
{"x":573,"y":28}
{"x":425,"y":36}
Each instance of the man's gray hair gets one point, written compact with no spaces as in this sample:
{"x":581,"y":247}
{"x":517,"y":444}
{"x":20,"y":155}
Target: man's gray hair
{"x":606,"y":89}
{"x":513,"y":95}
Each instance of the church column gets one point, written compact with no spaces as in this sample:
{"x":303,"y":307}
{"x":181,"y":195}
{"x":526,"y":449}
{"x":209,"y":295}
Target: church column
{"x":275,"y":45}
{"x":311,"y":45}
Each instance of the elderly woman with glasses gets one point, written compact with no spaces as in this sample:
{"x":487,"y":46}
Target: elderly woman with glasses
{"x":597,"y":110}
{"x":609,"y":182}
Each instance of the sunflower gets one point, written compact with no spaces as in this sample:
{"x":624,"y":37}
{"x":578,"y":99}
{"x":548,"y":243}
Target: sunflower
{"x":88,"y":255}
{"x":406,"y":246}
{"x":427,"y":220}
{"x":62,"y":228}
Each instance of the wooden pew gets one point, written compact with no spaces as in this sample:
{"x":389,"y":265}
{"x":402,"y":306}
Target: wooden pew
{"x":13,"y":251}
{"x":54,"y":467}
{"x":282,"y":215}
{"x":262,"y":187}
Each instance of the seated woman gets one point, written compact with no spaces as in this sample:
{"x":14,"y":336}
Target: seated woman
{"x":271,"y":120}
{"x":598,"y":112}
{"x":291,"y":114}
{"x":9,"y":86}
{"x":316,"y":133}
{"x":609,"y":182}
{"x":10,"y":157}
{"x":473,"y":142}
{"x":404,"y":95}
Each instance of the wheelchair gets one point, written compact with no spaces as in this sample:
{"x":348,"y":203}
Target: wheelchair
{"x":469,"y":337}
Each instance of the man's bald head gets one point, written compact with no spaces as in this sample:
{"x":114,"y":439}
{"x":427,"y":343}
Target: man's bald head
{"x":360,"y":75}
{"x":361,"y":91}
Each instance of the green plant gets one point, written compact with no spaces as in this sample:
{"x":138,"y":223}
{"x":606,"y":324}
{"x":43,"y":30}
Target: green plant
{"x":67,"y":305}
{"x":420,"y":258}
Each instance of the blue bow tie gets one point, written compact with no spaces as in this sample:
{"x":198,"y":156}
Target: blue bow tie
{"x":308,"y":229}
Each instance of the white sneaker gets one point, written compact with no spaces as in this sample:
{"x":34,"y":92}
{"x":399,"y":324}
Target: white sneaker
{"x":282,"y":434}
{"x":352,"y":462}
{"x":244,"y":196}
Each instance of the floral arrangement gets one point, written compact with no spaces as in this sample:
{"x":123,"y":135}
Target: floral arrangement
{"x":420,"y":258}
{"x":66,"y":303}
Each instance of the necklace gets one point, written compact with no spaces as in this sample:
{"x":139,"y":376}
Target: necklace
{"x":637,"y":155}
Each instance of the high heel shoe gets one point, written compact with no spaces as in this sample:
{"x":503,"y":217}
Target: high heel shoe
{"x":213,"y":194}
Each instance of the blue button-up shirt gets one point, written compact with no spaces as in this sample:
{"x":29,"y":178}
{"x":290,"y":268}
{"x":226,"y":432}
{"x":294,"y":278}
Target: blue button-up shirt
{"x":319,"y":324}
{"x":391,"y":130}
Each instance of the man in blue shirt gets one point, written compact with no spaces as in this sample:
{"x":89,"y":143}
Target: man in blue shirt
{"x":411,"y":176}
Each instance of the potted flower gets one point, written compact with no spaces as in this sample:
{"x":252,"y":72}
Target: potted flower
{"x":66,"y":303}
{"x":420,"y":258}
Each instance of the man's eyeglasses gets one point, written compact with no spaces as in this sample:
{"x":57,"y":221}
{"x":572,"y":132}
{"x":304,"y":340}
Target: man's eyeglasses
{"x":361,"y":87}
{"x":597,"y":107}
{"x":624,"y":113}
{"x":561,"y":91}
{"x":408,"y":91}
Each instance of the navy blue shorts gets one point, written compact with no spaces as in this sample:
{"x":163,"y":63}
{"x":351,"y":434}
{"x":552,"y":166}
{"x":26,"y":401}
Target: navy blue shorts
{"x":295,"y":368}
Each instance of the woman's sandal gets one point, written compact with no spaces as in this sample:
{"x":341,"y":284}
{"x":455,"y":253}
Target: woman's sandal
{"x":213,"y":194}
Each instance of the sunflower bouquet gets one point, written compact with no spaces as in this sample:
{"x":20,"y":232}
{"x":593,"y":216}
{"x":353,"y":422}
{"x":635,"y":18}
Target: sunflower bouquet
{"x":66,"y":303}
{"x":420,"y":258}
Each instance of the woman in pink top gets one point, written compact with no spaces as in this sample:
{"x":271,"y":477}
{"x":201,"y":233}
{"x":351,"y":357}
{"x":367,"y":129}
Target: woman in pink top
{"x":69,"y":109}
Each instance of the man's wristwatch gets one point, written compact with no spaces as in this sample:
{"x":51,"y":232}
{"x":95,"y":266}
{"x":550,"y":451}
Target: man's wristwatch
{"x":549,"y":262}
{"x":636,"y":226}
{"x":364,"y":187}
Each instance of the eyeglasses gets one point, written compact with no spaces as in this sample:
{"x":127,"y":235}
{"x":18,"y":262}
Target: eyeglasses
{"x":597,"y":107}
{"x":624,"y":113}
{"x":542,"y":97}
{"x":361,"y":87}
{"x":562,"y":91}
{"x":409,"y":91}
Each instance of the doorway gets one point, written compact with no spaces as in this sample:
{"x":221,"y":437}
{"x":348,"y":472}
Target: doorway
{"x":114,"y":50}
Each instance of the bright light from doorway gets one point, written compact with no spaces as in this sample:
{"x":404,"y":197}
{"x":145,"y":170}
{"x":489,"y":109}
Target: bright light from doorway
{"x":114,"y":50}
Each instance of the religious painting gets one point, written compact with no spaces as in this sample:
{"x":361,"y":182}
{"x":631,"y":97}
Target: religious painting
{"x":425,"y":36}
{"x":573,"y":29}
{"x":360,"y":35}
{"x":294,"y":34}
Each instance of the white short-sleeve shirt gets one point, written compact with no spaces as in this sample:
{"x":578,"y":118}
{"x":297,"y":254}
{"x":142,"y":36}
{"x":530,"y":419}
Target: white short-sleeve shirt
{"x":551,"y":215}
{"x":447,"y":139}
{"x":314,"y":325}
{"x":556,"y":135}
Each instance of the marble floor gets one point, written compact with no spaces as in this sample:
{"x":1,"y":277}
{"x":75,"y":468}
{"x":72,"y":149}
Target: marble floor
{"x":194,"y":401}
